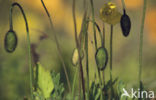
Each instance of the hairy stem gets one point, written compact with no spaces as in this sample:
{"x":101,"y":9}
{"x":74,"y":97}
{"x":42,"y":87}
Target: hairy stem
{"x":28,"y":39}
{"x":78,"y":46}
{"x":141,"y":40}
{"x":58,"y":46}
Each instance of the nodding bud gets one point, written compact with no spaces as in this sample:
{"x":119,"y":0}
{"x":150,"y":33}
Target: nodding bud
{"x":10,"y":41}
{"x":125,"y":23}
{"x":101,"y":58}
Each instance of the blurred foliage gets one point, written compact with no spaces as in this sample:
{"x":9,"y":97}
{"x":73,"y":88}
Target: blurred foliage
{"x":14,"y":77}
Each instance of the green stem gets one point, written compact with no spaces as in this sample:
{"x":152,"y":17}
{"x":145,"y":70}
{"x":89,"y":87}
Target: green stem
{"x":99,"y":31}
{"x":100,"y":80}
{"x":58,"y":46}
{"x":103,"y":45}
{"x":141,"y":40}
{"x":87,"y":62}
{"x":111,"y":57}
{"x":74,"y":82}
{"x":28,"y":39}
{"x":103,"y":38}
{"x":123,"y":4}
{"x":93,"y":18}
{"x":78,"y":46}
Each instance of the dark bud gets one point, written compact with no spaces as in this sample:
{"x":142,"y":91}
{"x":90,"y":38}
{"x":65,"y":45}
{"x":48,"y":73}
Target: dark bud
{"x":125,"y":23}
{"x":10,"y":41}
{"x":101,"y":58}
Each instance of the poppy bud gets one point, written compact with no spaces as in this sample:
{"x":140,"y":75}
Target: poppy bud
{"x":101,"y":58}
{"x":125,"y":23}
{"x":10,"y":41}
{"x":75,"y":56}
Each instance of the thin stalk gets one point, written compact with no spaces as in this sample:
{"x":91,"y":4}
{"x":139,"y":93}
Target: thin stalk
{"x":74,"y":82}
{"x":100,"y":80}
{"x":141,"y":40}
{"x":28,"y":40}
{"x":80,"y":85}
{"x":93,"y":18}
{"x":123,"y":4}
{"x":78,"y":46}
{"x":99,"y":31}
{"x":103,"y":39}
{"x":99,"y":75}
{"x":111,"y":57}
{"x":58,"y":46}
{"x":86,"y":44}
{"x":103,"y":45}
{"x":87,"y":62}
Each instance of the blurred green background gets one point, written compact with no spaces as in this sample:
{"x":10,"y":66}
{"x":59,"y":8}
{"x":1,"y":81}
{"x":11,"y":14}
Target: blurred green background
{"x":14,"y":72}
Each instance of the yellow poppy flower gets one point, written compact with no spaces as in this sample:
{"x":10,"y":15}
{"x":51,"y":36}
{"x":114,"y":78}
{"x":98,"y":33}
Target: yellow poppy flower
{"x":109,"y":13}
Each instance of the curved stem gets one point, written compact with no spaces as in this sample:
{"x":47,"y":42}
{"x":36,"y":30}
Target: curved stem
{"x":28,"y":39}
{"x":141,"y":40}
{"x":58,"y":46}
{"x":78,"y":46}
{"x":111,"y":57}
{"x":99,"y":31}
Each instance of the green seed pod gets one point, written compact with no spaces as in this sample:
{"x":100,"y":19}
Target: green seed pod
{"x":125,"y":23}
{"x":101,"y":58}
{"x":75,"y":56}
{"x":10,"y":41}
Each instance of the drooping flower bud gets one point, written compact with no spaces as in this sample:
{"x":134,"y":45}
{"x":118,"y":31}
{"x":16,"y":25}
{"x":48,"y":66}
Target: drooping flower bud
{"x":125,"y":23}
{"x":101,"y":58}
{"x":10,"y":41}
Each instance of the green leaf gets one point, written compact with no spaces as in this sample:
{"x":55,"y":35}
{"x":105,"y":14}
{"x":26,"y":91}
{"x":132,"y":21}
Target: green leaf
{"x":45,"y":82}
{"x":108,"y":84}
{"x":120,"y":87}
{"x":94,"y":92}
{"x":58,"y":87}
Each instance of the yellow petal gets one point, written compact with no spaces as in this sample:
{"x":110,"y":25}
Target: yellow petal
{"x":109,"y":14}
